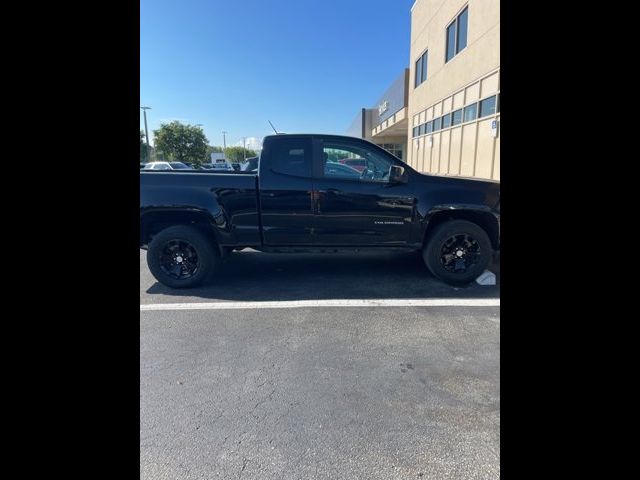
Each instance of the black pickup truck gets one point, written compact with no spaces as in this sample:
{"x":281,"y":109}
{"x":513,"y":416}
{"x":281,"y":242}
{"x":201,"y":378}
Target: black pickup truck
{"x":316,"y":193}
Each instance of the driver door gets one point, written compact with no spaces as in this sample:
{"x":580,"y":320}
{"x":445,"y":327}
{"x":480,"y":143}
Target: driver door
{"x":355,"y":205}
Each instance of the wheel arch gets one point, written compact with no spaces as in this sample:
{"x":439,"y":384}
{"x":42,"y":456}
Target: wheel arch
{"x":484,"y":218}
{"x":154,"y":221}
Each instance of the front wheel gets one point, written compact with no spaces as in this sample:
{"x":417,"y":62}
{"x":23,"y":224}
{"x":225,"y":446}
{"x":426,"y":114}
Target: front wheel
{"x":181,"y":257}
{"x":457,"y":252}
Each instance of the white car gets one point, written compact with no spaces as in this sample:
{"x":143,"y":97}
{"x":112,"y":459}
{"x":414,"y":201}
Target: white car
{"x":166,"y":166}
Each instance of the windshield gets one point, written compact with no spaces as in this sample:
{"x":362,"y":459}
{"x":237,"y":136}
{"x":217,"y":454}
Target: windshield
{"x":179,"y":166}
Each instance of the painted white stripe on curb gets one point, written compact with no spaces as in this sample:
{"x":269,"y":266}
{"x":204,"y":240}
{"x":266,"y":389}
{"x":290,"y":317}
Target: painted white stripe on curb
{"x":392,"y":302}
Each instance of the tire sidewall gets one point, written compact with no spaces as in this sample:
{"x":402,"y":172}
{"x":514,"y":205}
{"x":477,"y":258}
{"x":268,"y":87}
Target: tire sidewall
{"x":431,"y":252}
{"x":202,"y":246}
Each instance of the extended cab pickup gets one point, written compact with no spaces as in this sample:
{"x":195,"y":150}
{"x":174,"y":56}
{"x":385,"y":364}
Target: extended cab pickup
{"x":306,"y":198}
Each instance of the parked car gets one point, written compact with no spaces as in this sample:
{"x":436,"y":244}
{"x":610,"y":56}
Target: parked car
{"x":294,"y":204}
{"x":142,"y":165}
{"x":217,"y":167}
{"x":339,"y":170}
{"x":359,"y":164}
{"x":166,"y":166}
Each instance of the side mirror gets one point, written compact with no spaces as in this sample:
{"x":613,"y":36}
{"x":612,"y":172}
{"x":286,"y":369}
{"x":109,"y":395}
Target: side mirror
{"x":397,"y":174}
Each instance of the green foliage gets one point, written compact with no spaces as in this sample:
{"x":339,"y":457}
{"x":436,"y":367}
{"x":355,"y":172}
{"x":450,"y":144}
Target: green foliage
{"x":238,"y":154}
{"x":178,"y":142}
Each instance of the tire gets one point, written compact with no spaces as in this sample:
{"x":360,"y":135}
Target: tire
{"x":442,"y":257}
{"x":181,"y":257}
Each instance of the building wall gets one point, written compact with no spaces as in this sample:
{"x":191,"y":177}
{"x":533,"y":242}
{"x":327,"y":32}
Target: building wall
{"x":468,"y":149}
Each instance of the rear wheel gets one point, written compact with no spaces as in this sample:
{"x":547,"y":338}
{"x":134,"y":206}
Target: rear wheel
{"x":181,"y":257}
{"x":457,"y":252}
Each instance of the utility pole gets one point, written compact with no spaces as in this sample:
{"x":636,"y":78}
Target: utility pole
{"x":224,"y":141}
{"x":244,"y":149}
{"x":146,"y":132}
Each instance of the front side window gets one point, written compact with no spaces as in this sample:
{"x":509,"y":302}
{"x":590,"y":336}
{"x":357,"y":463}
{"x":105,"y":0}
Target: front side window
{"x":357,"y":162}
{"x":292,"y":157}
{"x":457,"y":35}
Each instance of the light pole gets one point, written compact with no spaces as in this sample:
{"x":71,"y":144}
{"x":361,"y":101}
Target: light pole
{"x":224,"y":140}
{"x":244,"y":150}
{"x":146,"y":131}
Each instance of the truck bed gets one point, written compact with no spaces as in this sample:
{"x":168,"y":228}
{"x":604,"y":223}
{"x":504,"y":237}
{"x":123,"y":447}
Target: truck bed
{"x":229,"y":201}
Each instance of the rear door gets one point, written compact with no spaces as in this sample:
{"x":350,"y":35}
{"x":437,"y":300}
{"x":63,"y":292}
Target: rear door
{"x":285,"y":191}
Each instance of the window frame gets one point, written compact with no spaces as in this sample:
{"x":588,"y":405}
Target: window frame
{"x":429,"y":127}
{"x":424,"y":60}
{"x":464,"y":111}
{"x":456,"y":24}
{"x":461,"y":110}
{"x":495,"y":106}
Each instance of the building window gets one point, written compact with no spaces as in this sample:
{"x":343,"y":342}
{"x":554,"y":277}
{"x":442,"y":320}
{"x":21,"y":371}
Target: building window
{"x":421,"y":69}
{"x":456,"y":117}
{"x":421,"y":131}
{"x":437,"y":123}
{"x":446,"y":121}
{"x":429,"y":127}
{"x":470,"y":112}
{"x":415,"y":131}
{"x":487,"y":106}
{"x":393,"y":148}
{"x":457,"y":34}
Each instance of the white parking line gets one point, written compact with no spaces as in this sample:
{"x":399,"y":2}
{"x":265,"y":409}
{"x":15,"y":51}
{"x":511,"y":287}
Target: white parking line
{"x":392,"y":302}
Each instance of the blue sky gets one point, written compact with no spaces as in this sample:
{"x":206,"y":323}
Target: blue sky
{"x":306,"y":65}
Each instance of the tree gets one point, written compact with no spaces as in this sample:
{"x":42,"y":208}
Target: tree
{"x":181,"y":143}
{"x":237,"y":154}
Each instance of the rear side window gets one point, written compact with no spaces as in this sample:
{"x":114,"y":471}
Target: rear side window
{"x":292,"y":157}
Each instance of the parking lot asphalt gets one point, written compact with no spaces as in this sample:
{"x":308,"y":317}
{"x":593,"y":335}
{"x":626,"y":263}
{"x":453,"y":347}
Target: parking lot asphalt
{"x":251,"y":275}
{"x":325,"y":392}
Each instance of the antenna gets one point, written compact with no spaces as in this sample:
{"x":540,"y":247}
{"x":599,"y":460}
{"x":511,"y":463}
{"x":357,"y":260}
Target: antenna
{"x":274,"y":128}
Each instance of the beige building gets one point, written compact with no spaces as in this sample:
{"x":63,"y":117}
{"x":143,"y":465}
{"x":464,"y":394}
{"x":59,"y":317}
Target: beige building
{"x":385,"y":123}
{"x":453,"y":108}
